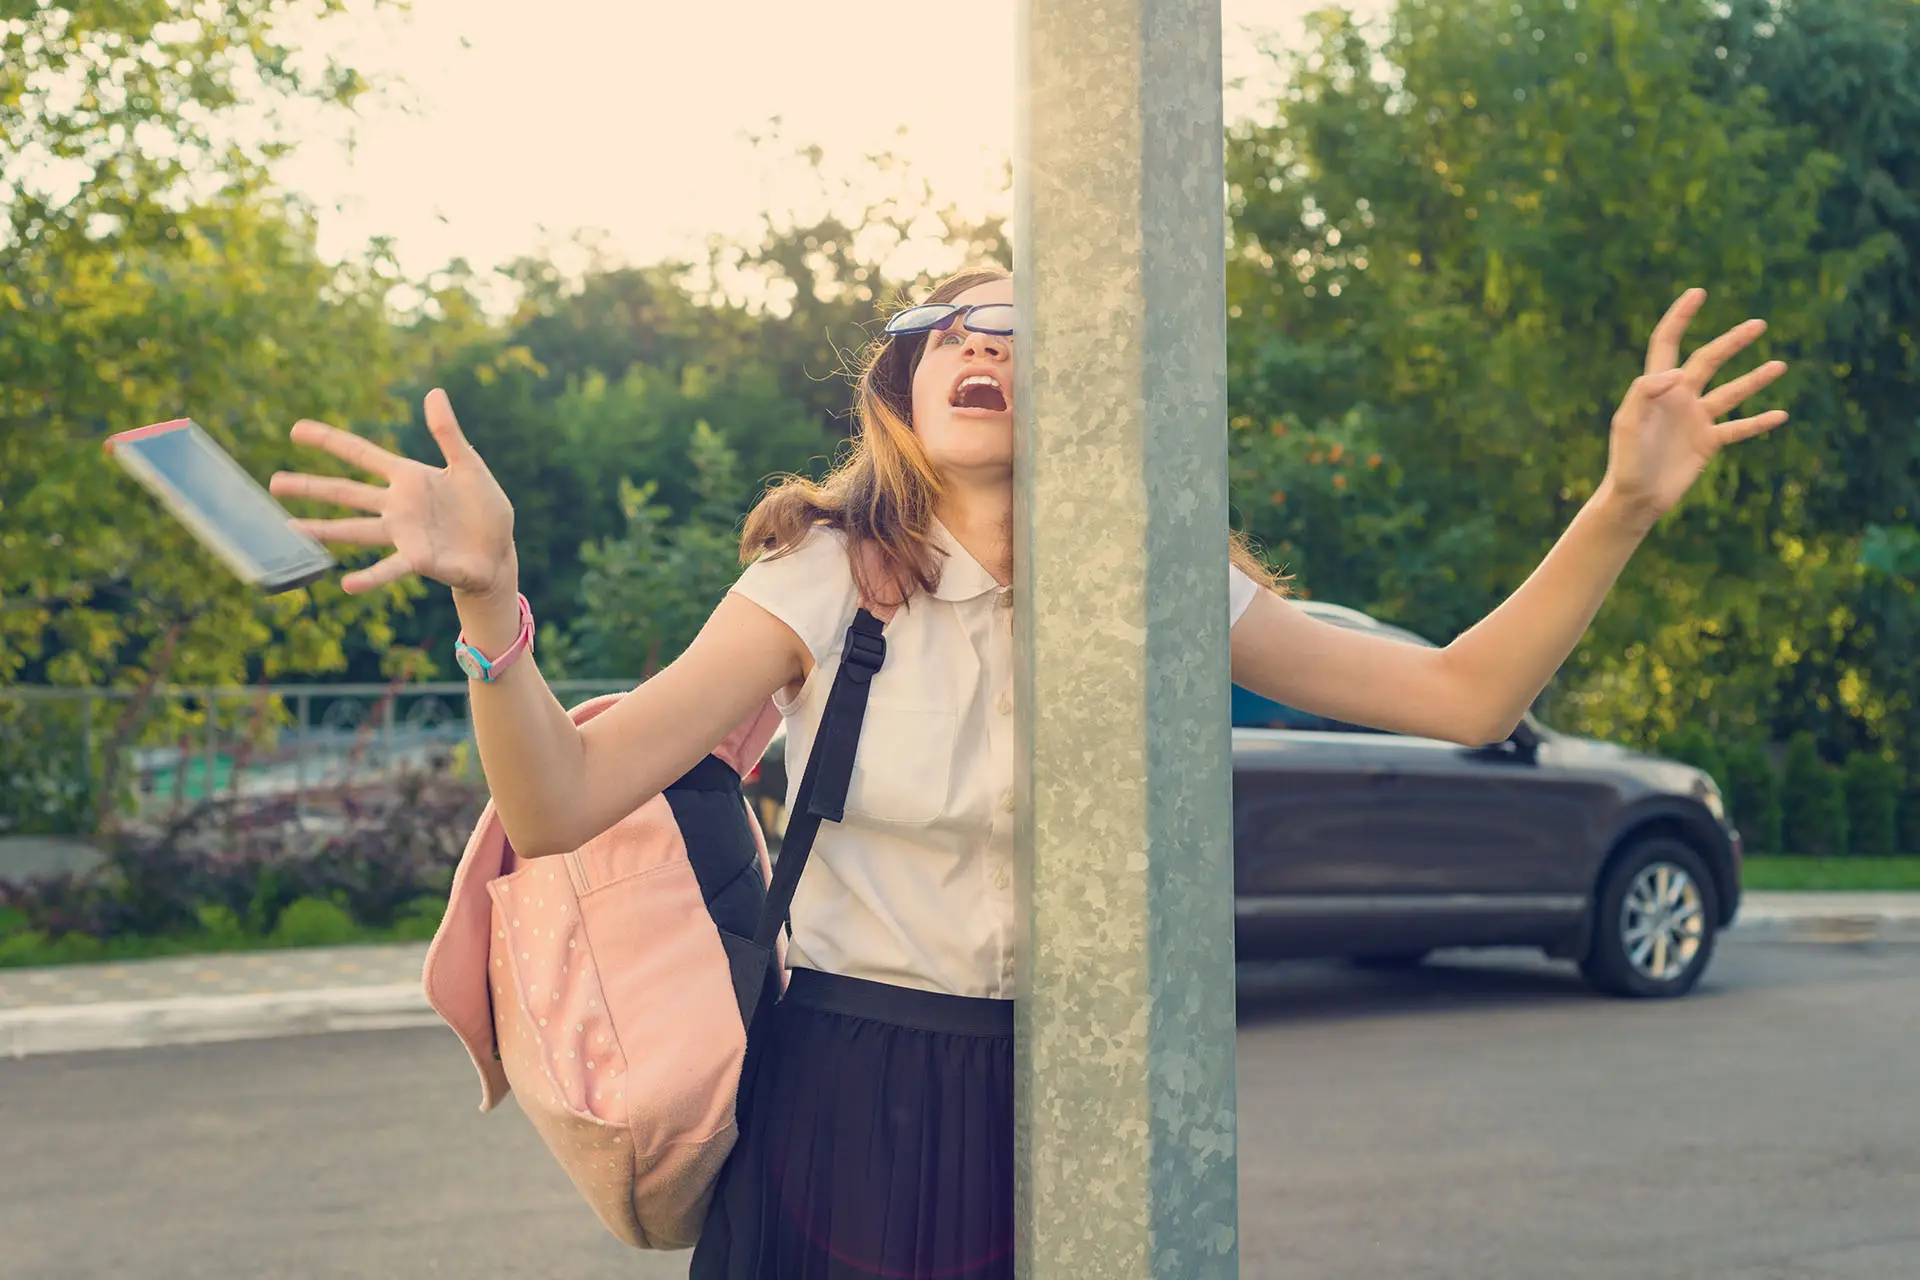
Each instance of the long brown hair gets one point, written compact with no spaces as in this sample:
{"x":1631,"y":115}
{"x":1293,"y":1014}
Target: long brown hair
{"x":881,"y":495}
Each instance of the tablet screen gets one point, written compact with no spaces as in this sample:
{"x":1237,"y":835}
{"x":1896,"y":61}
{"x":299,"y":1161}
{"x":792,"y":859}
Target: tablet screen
{"x":220,"y":499}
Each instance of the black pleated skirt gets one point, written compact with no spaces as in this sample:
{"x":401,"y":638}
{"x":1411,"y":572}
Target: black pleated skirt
{"x":876,"y":1140}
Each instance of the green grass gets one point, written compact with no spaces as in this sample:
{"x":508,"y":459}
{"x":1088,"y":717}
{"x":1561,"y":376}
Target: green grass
{"x":307,"y":923}
{"x":1765,"y":872}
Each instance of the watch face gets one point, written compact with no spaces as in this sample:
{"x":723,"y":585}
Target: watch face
{"x":468,"y":663}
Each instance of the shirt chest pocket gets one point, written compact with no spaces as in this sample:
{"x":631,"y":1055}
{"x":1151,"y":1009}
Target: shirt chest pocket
{"x":903,"y":770}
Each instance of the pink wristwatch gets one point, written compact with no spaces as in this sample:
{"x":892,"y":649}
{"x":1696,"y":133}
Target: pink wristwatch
{"x":479,"y":667}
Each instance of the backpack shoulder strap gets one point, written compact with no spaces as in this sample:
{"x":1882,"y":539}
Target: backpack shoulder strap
{"x":823,"y":786}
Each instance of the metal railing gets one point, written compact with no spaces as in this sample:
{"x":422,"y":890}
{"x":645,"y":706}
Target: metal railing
{"x":170,"y":746}
{"x":63,"y":749}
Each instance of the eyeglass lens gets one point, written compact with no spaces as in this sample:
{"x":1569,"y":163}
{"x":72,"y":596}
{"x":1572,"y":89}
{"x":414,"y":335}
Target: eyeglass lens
{"x":994,"y":318}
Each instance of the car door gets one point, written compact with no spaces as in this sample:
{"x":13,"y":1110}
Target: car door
{"x":1444,"y":819}
{"x":1299,"y":815}
{"x":1480,"y":822}
{"x":1309,"y":876}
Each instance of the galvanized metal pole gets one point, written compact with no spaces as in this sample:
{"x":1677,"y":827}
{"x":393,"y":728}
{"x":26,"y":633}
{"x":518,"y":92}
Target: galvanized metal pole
{"x":1126,"y":1017}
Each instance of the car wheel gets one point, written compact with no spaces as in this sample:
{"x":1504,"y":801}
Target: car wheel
{"x":1654,"y":923}
{"x":1393,"y":960}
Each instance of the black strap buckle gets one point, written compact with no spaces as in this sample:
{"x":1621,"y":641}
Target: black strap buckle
{"x":865,"y":652}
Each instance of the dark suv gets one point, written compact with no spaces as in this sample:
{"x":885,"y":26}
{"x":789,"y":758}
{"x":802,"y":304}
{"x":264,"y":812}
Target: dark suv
{"x":1351,"y":842}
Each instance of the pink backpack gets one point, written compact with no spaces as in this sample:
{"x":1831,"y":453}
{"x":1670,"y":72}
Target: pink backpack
{"x":612,"y":988}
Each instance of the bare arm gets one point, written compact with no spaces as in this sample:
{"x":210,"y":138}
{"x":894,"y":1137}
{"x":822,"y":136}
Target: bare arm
{"x":557,"y":784}
{"x":1476,"y":689}
{"x":1473,"y":691}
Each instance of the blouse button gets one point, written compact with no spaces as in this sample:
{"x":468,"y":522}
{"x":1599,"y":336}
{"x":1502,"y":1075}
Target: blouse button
{"x":1005,"y":705}
{"x":1006,"y":802}
{"x":1001,"y":879}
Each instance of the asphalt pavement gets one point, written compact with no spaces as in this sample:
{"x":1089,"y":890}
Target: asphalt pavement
{"x":1482,"y":1119}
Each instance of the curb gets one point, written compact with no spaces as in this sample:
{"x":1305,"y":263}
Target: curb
{"x":1842,"y":927}
{"x":184,"y":1020}
{"x":188,"y":1020}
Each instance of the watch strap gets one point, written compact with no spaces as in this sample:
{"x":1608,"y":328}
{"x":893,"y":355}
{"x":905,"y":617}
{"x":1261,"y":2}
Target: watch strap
{"x":486,"y":670}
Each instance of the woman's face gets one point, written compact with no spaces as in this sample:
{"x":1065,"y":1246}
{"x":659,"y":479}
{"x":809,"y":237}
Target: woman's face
{"x":963,"y":395}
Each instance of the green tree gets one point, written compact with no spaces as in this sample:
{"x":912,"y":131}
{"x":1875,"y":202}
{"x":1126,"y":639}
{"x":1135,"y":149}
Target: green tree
{"x":1910,"y":814}
{"x":1753,"y":794}
{"x":1843,"y":71}
{"x":605,"y":375}
{"x":149,"y":269}
{"x":1872,"y":786}
{"x":1450,"y":242}
{"x":646,"y":594}
{"x":604,"y":380}
{"x":1694,"y":745}
{"x":1812,"y":801}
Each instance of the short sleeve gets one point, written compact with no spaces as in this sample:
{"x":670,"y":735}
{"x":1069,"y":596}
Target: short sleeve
{"x":810,"y":589}
{"x":1241,"y":590}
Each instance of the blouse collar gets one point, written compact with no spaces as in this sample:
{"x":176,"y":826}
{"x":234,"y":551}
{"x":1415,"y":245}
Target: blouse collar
{"x":961,"y":576}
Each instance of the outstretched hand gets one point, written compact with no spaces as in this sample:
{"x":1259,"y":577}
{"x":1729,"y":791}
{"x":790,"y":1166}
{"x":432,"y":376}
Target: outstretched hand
{"x":452,"y":523}
{"x":1668,"y":427}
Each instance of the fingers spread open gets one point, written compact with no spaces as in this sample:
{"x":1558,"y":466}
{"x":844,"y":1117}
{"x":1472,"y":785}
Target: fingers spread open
{"x":358,"y":531}
{"x":348,"y":493}
{"x":375,"y":576}
{"x":346,"y":446}
{"x":1723,"y":399}
{"x":1703,"y":364}
{"x":1744,"y":428}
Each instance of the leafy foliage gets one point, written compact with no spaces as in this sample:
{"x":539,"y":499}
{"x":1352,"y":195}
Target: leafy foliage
{"x":1872,"y":786}
{"x":1450,"y":242}
{"x":250,"y":860}
{"x":1450,"y":239}
{"x":1813,"y":802}
{"x":151,"y":271}
{"x":646,"y":594}
{"x":1753,"y":796}
{"x":602,"y":381}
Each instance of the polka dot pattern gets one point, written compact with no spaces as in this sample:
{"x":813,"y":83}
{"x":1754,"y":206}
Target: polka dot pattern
{"x":596,"y":966}
{"x":630,"y":1080}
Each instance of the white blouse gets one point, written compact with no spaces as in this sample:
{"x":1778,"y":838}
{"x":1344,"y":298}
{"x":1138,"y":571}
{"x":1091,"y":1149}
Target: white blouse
{"x":915,"y":887}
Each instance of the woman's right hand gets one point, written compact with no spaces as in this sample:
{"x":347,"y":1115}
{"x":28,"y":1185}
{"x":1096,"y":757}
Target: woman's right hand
{"x":452,"y":524}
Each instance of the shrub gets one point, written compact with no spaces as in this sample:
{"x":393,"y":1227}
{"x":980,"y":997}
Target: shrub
{"x":239,"y":865}
{"x":1693,"y":744}
{"x":47,"y":784}
{"x":398,"y":845}
{"x":223,"y":926}
{"x":1812,"y":802}
{"x":418,"y":922}
{"x":311,"y":922}
{"x":1753,"y":795}
{"x":1910,"y":815}
{"x":1872,"y":786}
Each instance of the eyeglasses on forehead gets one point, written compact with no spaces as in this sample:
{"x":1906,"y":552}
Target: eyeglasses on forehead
{"x":982,"y":317}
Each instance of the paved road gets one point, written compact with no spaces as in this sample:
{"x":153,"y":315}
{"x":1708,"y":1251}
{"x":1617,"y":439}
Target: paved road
{"x":1474,"y":1122}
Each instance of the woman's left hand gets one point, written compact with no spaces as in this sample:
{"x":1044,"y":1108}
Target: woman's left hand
{"x":1668,"y":427}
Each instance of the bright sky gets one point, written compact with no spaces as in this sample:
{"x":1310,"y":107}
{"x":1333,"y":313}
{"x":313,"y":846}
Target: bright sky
{"x":523,"y":123}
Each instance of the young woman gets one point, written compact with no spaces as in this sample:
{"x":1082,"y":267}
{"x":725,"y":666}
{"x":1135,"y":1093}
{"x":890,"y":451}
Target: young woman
{"x":877,"y":1108}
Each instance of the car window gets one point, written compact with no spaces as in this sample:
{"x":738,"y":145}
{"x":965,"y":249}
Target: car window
{"x":1251,"y":711}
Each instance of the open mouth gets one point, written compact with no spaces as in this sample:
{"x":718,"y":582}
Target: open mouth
{"x":979,"y":391}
